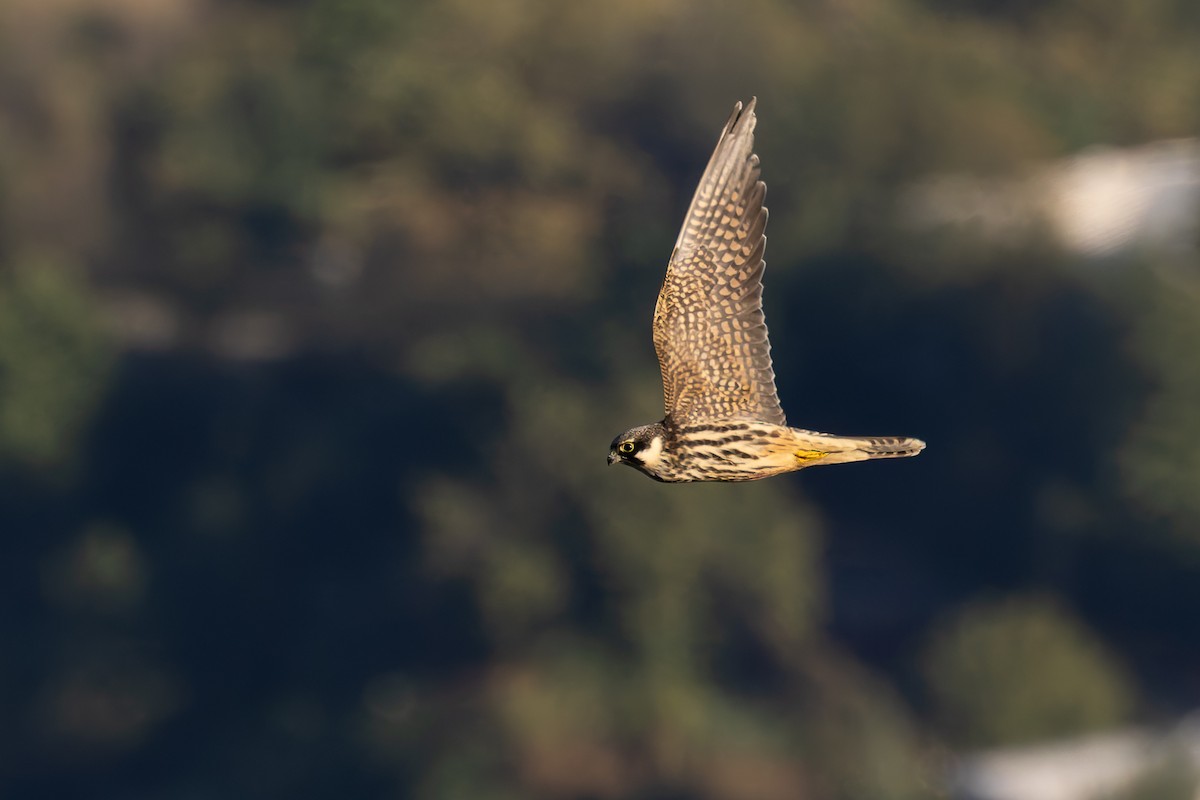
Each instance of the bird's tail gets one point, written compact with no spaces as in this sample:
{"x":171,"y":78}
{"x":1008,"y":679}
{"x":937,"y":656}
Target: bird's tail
{"x":826,"y":448}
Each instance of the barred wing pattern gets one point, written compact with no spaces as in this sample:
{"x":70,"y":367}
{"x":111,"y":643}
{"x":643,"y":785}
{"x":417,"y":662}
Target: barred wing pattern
{"x":709,"y":330}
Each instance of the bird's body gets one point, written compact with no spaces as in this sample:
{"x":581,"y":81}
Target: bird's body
{"x":745,"y":450}
{"x":723,"y":419}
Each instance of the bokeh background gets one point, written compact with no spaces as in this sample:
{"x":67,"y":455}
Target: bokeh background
{"x":317,"y":318}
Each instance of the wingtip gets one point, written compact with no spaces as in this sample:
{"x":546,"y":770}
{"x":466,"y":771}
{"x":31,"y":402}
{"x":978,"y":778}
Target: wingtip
{"x":741,"y":112}
{"x":734,"y":116}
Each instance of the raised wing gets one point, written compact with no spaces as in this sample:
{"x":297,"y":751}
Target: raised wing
{"x":709,"y":330}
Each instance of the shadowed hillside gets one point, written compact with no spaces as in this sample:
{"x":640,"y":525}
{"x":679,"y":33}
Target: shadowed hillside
{"x":316,"y":320}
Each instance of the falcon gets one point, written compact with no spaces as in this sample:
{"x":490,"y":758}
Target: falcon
{"x":723,"y":421}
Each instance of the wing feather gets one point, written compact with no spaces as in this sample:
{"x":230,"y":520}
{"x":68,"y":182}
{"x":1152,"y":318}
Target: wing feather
{"x":709,"y":330}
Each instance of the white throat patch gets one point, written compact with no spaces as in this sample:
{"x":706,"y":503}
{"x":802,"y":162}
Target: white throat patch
{"x":652,"y":455}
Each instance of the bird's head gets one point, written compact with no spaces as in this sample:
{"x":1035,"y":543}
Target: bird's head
{"x":640,"y":448}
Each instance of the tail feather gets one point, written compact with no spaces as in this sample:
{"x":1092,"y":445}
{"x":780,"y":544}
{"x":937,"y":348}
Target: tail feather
{"x":826,"y":448}
{"x":892,"y":446}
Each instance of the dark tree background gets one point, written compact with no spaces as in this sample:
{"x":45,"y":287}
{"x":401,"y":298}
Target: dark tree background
{"x":317,"y":317}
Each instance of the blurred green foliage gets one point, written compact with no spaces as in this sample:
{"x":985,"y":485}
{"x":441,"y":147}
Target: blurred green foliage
{"x":1161,"y":468}
{"x":332,"y":307}
{"x":1021,"y":670}
{"x":54,"y":362}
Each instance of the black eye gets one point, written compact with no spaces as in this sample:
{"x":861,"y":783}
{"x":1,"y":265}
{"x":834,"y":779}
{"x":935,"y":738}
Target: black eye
{"x":626,"y":447}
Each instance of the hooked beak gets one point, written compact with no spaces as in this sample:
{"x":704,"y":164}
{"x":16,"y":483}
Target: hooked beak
{"x":613,"y":457}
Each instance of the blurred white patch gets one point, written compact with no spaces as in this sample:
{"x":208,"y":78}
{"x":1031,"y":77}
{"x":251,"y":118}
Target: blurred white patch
{"x":1108,"y":199}
{"x":1080,"y":769}
{"x":1100,"y":202}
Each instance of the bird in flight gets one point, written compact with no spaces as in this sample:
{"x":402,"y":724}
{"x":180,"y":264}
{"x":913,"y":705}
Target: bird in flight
{"x":723,"y":420}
